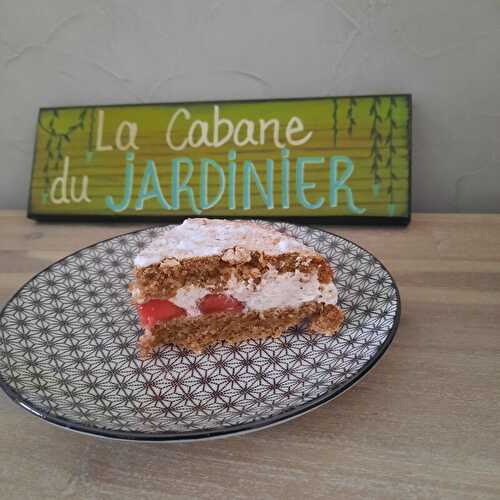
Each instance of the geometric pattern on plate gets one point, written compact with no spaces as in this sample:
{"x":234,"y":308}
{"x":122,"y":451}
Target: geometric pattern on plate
{"x":68,"y":349}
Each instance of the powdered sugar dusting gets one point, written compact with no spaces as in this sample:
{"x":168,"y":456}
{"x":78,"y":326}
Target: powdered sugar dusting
{"x":206,"y":237}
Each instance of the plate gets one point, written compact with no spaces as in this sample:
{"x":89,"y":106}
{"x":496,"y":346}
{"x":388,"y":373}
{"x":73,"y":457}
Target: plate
{"x":68,"y":350}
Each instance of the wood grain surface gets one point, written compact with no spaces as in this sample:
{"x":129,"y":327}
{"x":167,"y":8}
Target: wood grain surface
{"x":425,"y":423}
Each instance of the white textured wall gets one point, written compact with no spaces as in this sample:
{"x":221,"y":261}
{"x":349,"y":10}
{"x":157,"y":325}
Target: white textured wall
{"x":445,"y":52}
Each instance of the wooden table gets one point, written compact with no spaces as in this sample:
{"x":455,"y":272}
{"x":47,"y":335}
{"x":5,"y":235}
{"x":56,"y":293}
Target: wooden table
{"x":425,"y":423}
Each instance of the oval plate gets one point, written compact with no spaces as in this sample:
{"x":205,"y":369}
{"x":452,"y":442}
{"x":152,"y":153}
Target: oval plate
{"x":68,"y":350}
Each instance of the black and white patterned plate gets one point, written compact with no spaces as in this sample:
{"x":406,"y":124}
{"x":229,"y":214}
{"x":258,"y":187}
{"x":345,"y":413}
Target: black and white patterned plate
{"x":68,"y":350}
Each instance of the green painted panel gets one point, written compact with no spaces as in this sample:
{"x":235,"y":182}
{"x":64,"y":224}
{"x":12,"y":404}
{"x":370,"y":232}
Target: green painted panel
{"x":335,"y":159}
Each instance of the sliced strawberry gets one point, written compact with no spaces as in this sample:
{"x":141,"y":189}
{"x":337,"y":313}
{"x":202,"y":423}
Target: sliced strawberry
{"x":217,"y":302}
{"x":156,"y":310}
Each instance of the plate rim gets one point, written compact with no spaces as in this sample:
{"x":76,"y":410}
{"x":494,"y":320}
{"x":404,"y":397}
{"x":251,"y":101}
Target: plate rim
{"x":197,"y":435}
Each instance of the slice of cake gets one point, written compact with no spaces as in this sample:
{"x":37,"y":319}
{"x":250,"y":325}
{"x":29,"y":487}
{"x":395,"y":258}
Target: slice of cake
{"x":208,"y":280}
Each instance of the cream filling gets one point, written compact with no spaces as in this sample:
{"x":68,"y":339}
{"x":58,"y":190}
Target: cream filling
{"x":274,"y":290}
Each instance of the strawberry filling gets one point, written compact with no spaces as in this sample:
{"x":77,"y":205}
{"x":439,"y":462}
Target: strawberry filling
{"x":157,"y":310}
{"x":218,"y":302}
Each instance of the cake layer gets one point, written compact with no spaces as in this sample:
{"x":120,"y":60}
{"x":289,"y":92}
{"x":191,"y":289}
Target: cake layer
{"x":209,"y":237}
{"x":162,"y":280}
{"x":274,"y":289}
{"x":197,"y":332}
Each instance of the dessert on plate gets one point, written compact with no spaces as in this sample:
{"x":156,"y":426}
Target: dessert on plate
{"x":209,"y":280}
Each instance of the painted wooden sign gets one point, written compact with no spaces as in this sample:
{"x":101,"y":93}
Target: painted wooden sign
{"x":328,"y":160}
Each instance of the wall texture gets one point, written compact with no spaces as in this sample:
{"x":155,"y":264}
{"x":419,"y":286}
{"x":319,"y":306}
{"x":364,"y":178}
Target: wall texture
{"x":445,"y":52}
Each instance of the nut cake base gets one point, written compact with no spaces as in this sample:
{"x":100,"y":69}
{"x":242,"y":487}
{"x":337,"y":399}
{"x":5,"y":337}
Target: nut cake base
{"x":197,"y":332}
